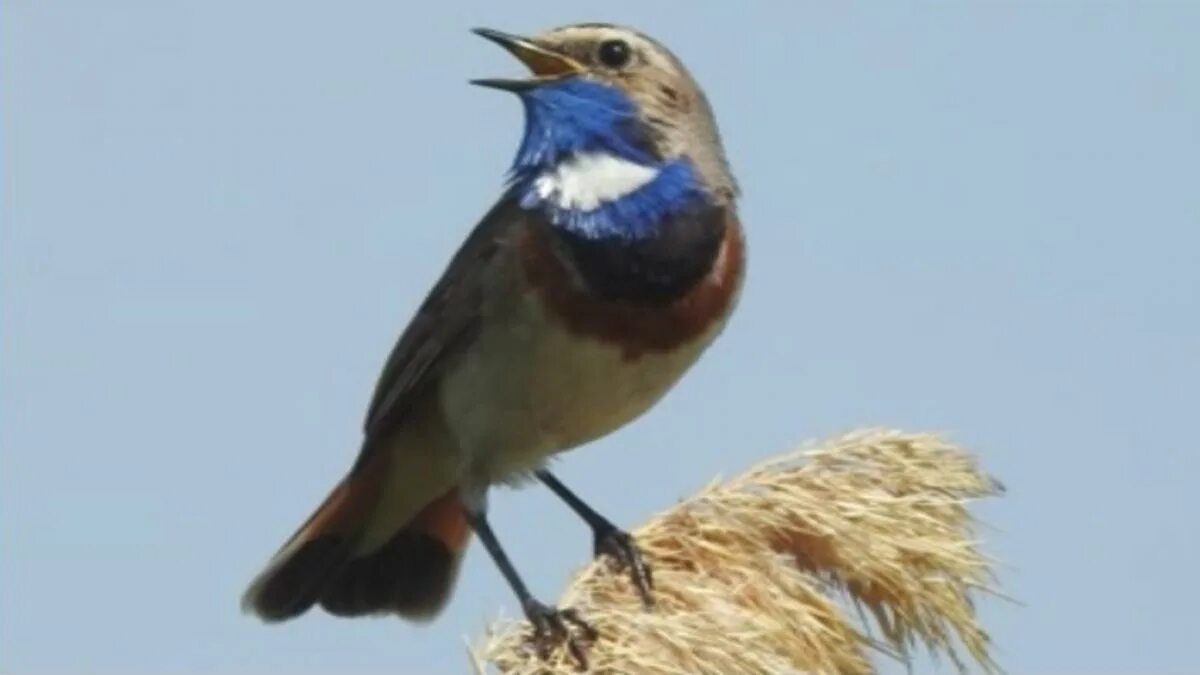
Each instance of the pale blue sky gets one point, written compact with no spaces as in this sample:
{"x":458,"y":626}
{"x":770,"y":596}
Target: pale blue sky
{"x":980,"y":218}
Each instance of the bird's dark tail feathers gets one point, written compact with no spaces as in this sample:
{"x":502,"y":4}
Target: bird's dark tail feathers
{"x":411,"y":574}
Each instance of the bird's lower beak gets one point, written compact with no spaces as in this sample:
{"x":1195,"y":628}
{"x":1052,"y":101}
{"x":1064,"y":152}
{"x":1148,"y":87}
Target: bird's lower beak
{"x":545,"y":65}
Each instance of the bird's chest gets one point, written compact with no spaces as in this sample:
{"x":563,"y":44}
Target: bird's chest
{"x":585,"y":385}
{"x":581,"y":388}
{"x":554,"y":366}
{"x":533,"y":387}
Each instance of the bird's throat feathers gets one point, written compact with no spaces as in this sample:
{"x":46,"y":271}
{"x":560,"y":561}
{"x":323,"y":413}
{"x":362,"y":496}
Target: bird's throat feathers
{"x":586,"y":162}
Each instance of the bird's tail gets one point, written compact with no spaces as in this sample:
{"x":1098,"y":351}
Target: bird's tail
{"x":410,"y":573}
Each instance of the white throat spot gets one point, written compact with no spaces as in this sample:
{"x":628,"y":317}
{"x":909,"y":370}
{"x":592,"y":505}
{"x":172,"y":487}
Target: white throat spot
{"x":586,"y":181}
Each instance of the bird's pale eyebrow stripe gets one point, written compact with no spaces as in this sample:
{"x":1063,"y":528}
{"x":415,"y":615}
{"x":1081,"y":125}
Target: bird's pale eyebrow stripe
{"x":586,"y":181}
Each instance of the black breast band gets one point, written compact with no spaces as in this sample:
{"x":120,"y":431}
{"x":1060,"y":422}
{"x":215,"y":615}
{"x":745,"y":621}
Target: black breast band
{"x":654,"y":270}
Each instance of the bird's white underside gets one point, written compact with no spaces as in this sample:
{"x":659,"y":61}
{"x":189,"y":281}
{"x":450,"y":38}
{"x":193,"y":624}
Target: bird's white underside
{"x":587,"y":181}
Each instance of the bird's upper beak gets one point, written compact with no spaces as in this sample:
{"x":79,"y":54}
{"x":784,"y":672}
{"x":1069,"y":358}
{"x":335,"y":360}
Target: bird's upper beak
{"x":546,"y":65}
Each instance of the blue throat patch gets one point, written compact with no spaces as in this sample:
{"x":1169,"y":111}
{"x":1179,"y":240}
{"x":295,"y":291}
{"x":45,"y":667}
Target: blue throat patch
{"x":580,"y":116}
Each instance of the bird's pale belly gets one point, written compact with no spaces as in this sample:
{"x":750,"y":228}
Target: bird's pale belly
{"x":530,"y":389}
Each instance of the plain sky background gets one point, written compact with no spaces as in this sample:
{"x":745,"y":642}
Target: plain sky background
{"x":980,"y":218}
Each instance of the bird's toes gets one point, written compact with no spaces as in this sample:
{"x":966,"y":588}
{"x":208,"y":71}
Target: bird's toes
{"x":554,"y":627}
{"x":620,"y":547}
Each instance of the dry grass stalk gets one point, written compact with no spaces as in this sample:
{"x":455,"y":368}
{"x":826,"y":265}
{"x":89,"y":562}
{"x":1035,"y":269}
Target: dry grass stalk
{"x":770,"y":571}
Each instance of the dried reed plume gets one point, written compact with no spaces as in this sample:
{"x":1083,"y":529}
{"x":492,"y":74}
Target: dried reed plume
{"x":769,"y":572}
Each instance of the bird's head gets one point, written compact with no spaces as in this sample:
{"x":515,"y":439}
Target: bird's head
{"x":607,"y":110}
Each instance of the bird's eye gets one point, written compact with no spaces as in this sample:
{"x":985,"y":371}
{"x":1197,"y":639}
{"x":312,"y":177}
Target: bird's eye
{"x":614,"y":53}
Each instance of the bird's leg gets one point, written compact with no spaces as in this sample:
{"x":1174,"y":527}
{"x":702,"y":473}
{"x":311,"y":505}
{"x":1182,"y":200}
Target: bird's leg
{"x":610,"y":540}
{"x":551,"y":626}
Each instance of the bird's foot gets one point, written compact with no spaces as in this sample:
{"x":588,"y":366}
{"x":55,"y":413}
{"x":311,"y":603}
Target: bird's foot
{"x":620,"y":547}
{"x":553,"y":626}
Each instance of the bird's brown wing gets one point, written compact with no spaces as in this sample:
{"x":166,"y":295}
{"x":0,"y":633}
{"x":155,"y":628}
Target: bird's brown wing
{"x":446,"y":323}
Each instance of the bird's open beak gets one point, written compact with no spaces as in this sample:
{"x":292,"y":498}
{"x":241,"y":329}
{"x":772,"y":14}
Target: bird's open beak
{"x":544,"y":64}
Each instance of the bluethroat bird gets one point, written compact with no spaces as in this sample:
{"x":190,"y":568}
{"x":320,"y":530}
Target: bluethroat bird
{"x":611,"y":261}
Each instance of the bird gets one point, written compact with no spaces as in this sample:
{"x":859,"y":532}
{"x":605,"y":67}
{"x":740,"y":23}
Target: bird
{"x":611,"y":261}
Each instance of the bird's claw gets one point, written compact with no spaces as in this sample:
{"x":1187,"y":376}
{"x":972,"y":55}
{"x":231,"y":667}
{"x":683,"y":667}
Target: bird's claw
{"x":620,"y":547}
{"x":553,"y":626}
